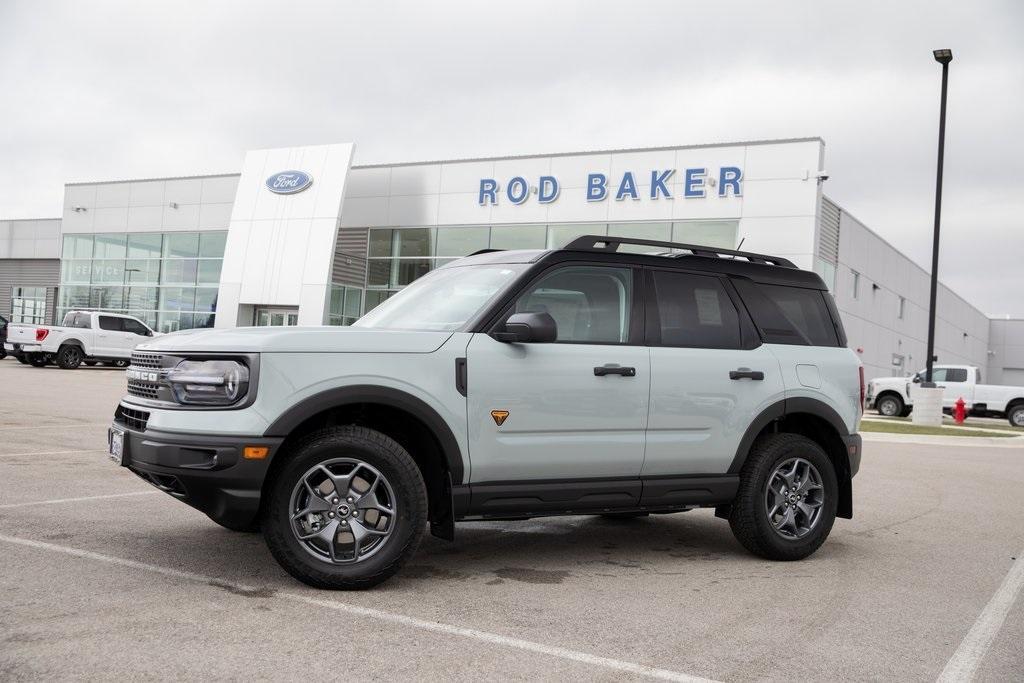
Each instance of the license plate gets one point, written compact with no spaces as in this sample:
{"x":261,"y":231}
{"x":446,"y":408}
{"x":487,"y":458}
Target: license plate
{"x":115,"y":439}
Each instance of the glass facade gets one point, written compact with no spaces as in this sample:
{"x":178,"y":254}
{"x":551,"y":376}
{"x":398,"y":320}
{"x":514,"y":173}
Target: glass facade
{"x":28,"y":305}
{"x":397,"y":256}
{"x":169,"y":280}
{"x":346,"y":305}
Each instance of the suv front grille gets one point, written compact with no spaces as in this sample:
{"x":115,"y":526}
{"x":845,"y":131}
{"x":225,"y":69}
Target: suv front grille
{"x":147,"y":360}
{"x":142,"y":389}
{"x":133,"y":419}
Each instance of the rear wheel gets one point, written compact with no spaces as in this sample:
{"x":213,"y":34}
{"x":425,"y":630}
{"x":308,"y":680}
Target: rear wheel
{"x":70,"y":357}
{"x":37,"y":360}
{"x":786,"y":503}
{"x":890,"y":406}
{"x":347,"y":510}
{"x":1016,"y":415}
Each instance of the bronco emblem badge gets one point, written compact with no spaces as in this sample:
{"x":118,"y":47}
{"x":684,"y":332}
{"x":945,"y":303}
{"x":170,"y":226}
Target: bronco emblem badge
{"x":499,"y":416}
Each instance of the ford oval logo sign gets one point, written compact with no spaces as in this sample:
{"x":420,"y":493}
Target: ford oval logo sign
{"x":289,"y":182}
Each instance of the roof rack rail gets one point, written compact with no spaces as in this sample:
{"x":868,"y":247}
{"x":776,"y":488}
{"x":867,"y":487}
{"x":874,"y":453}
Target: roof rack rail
{"x":592,"y":242}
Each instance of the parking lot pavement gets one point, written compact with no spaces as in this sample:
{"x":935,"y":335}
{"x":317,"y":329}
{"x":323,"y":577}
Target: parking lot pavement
{"x":119,"y":581}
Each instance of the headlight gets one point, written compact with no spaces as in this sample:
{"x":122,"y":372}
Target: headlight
{"x":208,"y":382}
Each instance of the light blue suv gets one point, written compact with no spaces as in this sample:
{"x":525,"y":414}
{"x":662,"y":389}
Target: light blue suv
{"x":589,"y":380}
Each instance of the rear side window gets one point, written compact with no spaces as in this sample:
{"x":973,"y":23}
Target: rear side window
{"x":113,"y":324}
{"x":76,"y":320}
{"x":789,"y":315}
{"x":694,"y":311}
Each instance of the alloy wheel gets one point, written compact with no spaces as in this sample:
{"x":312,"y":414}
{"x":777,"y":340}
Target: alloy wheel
{"x":794,"y":495}
{"x":888,"y":407}
{"x":342,"y":511}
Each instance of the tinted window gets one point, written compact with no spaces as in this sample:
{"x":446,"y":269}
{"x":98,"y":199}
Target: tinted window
{"x":589,"y":303}
{"x":695,"y":311}
{"x":948,"y":374}
{"x":135,"y":327}
{"x":108,"y":323}
{"x":789,"y":315}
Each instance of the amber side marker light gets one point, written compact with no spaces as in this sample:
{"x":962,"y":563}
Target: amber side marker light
{"x":255,"y":452}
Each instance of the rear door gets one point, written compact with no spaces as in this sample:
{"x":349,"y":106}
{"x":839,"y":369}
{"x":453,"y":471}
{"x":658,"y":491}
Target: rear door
{"x":710,"y":376}
{"x":108,"y":336}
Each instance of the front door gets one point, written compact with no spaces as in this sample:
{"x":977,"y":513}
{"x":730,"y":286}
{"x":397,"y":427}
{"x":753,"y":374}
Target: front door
{"x":553,"y":411}
{"x":276,"y":317}
{"x":706,"y":388}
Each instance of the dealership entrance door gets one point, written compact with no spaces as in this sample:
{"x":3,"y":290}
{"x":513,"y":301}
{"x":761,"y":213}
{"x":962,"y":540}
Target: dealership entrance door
{"x":277,"y":317}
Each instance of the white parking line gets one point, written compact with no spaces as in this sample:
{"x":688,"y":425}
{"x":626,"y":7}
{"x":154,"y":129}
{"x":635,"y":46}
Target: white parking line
{"x":69,"y":424}
{"x":963,"y":665}
{"x":379,"y":615}
{"x":83,"y":450}
{"x":76,"y":500}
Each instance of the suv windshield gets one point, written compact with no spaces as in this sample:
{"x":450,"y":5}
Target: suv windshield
{"x":442,"y":300}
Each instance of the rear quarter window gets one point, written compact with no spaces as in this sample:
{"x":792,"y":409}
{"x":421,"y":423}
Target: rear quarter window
{"x":790,"y":315}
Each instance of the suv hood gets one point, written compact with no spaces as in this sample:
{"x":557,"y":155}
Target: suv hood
{"x":298,"y":340}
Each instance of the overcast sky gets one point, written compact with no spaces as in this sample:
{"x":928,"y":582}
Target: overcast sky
{"x":111,"y":90}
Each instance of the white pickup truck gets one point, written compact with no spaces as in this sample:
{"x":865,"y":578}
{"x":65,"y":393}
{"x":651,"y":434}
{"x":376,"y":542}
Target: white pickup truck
{"x":890,"y":396}
{"x":84,"y":337}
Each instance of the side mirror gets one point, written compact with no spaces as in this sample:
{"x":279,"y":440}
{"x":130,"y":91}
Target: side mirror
{"x":917,"y":378}
{"x":537,"y":328}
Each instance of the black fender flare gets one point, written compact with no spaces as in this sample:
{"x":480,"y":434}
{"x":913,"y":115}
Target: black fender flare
{"x":394,"y":398}
{"x":779,"y":410}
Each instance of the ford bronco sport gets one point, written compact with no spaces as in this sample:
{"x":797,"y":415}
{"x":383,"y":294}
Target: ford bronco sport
{"x":589,"y":380}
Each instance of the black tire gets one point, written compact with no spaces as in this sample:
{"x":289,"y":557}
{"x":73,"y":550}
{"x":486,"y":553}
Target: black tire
{"x":378,"y":451}
{"x":37,"y":360}
{"x":1015,"y":415}
{"x":21,"y":358}
{"x":890,"y":405}
{"x":69,"y":357}
{"x":749,"y":518}
{"x":119,"y":363}
{"x":90,"y":363}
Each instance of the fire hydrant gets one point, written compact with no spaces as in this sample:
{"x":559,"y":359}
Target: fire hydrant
{"x":961,"y":411}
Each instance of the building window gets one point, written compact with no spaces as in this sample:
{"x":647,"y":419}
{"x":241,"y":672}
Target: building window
{"x":346,"y":304}
{"x":28,"y":305}
{"x":856,"y":284}
{"x":397,"y":256}
{"x":168,"y":280}
{"x":902,"y":309}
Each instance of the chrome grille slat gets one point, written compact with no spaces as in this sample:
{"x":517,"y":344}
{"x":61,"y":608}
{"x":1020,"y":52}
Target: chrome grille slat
{"x":146,"y":360}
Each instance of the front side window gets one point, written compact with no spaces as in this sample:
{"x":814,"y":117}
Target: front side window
{"x":694,"y":311}
{"x":135,"y":327}
{"x":442,"y":300}
{"x":590,"y":304}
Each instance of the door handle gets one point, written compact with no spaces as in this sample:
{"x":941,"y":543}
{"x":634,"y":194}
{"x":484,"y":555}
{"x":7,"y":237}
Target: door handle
{"x":746,"y":373}
{"x":610,"y":369}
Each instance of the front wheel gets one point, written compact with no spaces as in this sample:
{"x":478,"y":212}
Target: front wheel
{"x":890,"y":406}
{"x":347,"y":509}
{"x":1016,"y":415}
{"x":119,"y":363}
{"x":786,"y":503}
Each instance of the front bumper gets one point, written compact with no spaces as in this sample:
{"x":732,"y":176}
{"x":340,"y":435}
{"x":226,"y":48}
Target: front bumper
{"x":207,"y":472}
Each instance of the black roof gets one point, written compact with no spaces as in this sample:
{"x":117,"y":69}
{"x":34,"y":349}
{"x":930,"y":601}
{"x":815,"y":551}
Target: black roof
{"x":758,"y":267}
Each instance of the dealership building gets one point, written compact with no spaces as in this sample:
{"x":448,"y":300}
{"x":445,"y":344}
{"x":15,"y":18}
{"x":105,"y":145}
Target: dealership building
{"x":301,"y":236}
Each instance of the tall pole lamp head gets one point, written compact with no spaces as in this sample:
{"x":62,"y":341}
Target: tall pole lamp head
{"x":943,"y":56}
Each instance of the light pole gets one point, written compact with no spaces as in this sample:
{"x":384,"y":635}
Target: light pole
{"x":943,"y":57}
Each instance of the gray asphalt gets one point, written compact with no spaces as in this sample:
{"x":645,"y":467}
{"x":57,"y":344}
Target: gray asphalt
{"x":889,"y":596}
